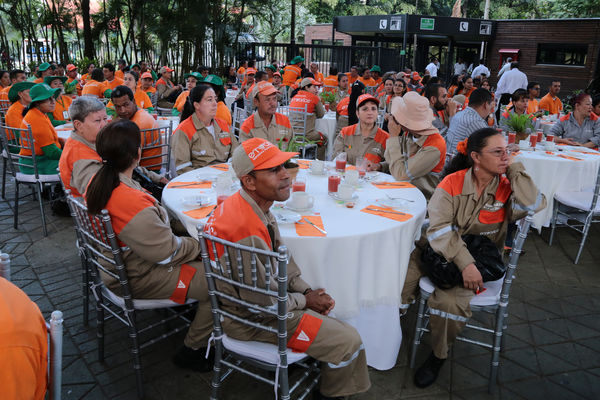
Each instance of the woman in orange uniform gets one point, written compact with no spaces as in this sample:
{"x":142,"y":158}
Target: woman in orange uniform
{"x":60,"y":115}
{"x":191,"y":80}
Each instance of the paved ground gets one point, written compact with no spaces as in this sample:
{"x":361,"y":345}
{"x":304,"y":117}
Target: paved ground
{"x":552,"y":349}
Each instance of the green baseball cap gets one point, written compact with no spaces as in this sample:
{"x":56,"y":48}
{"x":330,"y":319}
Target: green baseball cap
{"x":376,"y":68}
{"x":135,"y":65}
{"x":48,"y":80}
{"x":297,"y":59}
{"x":44,"y":66}
{"x":271,"y":67}
{"x":42,"y":91}
{"x":196,"y":75}
{"x":213,"y":80}
{"x":13,"y":93}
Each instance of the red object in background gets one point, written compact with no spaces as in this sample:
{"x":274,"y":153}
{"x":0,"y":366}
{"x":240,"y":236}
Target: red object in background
{"x":333,"y":183}
{"x":550,"y":138}
{"x":540,"y":136}
{"x":340,"y":165}
{"x":512,"y":137}
{"x":532,"y":140}
{"x":299,"y":187}
{"x":221,"y":198}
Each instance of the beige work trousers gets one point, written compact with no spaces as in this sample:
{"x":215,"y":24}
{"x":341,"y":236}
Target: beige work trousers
{"x":449,"y":309}
{"x":160,"y":284}
{"x":338,"y":346}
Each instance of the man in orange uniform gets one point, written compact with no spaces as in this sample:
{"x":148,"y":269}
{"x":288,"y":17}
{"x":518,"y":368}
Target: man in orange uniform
{"x":111,"y":81}
{"x":94,"y":84}
{"x":550,"y":102}
{"x":314,"y":68}
{"x":44,"y":70}
{"x":73,"y":85}
{"x":376,"y":74}
{"x":125,"y":107}
{"x":16,"y":75}
{"x":293,"y":71}
{"x":23,"y":346}
{"x":352,"y":75}
{"x":366,"y":78}
{"x":120,"y":73}
{"x":533,"y":91}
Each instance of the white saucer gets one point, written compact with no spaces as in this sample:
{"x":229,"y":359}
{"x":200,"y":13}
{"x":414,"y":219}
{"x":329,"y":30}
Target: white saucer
{"x":324,"y":172}
{"x":298,"y":210}
{"x":393,"y":203}
{"x":196,"y":201}
{"x":284,"y":216}
{"x":338,"y":198}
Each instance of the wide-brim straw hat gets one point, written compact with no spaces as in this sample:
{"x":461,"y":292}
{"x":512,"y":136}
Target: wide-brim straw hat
{"x":413,"y":112}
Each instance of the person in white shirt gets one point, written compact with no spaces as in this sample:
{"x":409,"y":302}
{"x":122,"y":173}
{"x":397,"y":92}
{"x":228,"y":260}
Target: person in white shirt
{"x":505,"y":67}
{"x":480,"y":70}
{"x":511,"y":81}
{"x":460,"y":67}
{"x":433,"y":67}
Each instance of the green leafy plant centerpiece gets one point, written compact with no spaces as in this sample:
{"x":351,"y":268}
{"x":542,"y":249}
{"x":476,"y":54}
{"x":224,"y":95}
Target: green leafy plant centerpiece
{"x":327,"y":97}
{"x":520,"y":124}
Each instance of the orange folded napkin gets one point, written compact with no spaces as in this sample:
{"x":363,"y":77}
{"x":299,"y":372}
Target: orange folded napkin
{"x":350,"y":167}
{"x":303,"y":164}
{"x":190,"y":185}
{"x":305,"y":229}
{"x":569,"y":158}
{"x":549,"y":152}
{"x":387,"y":212}
{"x":587,"y":152}
{"x":199,"y":213}
{"x":222,"y":167}
{"x":392,"y":185}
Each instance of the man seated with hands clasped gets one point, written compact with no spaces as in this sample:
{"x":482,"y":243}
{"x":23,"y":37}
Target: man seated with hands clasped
{"x":245,"y":218}
{"x":483,"y":191}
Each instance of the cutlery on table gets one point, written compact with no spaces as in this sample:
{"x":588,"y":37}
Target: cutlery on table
{"x":305,"y":220}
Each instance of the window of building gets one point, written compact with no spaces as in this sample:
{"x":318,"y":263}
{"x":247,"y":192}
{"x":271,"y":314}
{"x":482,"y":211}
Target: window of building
{"x":561,"y":54}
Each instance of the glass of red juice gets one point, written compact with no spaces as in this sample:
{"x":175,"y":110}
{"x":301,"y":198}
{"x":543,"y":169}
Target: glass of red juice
{"x":512,"y":137}
{"x":532,"y":140}
{"x":299,"y":185}
{"x":340,"y":162}
{"x":549,"y":138}
{"x":333,"y":181}
{"x":361,"y":166}
{"x":540,"y":136}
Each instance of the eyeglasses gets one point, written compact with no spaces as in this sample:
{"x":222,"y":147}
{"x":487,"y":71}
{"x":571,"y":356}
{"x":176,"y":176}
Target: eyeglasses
{"x":499,"y":152}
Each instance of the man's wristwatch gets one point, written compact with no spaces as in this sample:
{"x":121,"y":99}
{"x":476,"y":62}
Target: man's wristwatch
{"x":307,"y":291}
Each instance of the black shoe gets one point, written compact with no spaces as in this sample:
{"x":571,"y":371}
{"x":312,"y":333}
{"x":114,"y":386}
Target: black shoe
{"x":318,"y":396}
{"x":194,"y":359}
{"x":428,"y":372}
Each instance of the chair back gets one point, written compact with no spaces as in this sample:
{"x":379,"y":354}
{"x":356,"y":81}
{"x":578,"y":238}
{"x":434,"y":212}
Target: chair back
{"x":381,"y":118}
{"x":298,"y":118}
{"x":248,"y":106}
{"x":241,"y":272}
{"x":14,"y":141}
{"x":238,"y":117}
{"x":102,"y":248}
{"x":4,"y":105}
{"x":55,"y":331}
{"x":513,"y":258}
{"x":285,"y":97}
{"x":2,"y":116}
{"x":156,"y":148}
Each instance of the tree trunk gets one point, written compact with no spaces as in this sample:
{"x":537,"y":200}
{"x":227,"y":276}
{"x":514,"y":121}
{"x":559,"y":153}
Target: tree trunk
{"x":88,"y":51}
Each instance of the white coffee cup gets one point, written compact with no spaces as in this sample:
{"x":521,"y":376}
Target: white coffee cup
{"x":549,"y":146}
{"x":317,"y":166}
{"x":302,"y":200}
{"x":345,"y":191}
{"x":351,"y":177}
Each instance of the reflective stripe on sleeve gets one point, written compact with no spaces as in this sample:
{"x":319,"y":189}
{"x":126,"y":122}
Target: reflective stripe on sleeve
{"x":170,"y":258}
{"x":347,"y":362}
{"x":185,"y":164}
{"x":444,"y":314}
{"x":533,"y":207}
{"x":441,"y":232}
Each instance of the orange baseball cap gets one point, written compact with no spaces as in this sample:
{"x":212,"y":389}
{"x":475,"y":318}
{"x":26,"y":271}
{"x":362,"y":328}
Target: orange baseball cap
{"x":276,"y":73}
{"x":309,"y":81}
{"x":146,"y":75}
{"x":256,"y":154}
{"x":364,"y":98}
{"x":250,"y":71}
{"x":71,"y":67}
{"x":415,"y":75}
{"x":265,"y":88}
{"x":165,"y":69}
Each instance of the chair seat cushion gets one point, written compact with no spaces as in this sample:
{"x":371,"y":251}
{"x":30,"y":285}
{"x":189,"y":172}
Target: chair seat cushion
{"x":490,"y":297}
{"x":143,"y":304}
{"x":43,"y":178}
{"x":265,"y":352}
{"x":580,"y":200}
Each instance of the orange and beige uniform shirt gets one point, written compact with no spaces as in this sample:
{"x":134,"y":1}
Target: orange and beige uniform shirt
{"x":240,"y":220}
{"x":290,"y":74}
{"x":314,"y":108}
{"x":418,"y":160}
{"x":355,"y":145}
{"x":455,"y":209}
{"x":181,"y":99}
{"x":279,"y":129}
{"x":78,"y":164}
{"x":342,"y":114}
{"x":93,"y":87}
{"x":551,"y":104}
{"x":23,"y":346}
{"x":142,"y":227}
{"x":195,"y":146}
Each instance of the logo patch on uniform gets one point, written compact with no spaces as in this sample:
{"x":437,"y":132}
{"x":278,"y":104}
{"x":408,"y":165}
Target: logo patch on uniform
{"x":303,"y":337}
{"x":181,"y":285}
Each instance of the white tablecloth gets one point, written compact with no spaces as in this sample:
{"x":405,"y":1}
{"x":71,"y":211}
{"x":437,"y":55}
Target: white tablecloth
{"x":64,"y":131}
{"x":230,"y":97}
{"x":362,"y":262}
{"x":552,"y":174}
{"x":326,"y":126}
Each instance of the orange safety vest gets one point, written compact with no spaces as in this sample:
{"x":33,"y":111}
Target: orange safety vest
{"x":342,"y":107}
{"x":436,"y":140}
{"x":290,"y":74}
{"x":305,"y":98}
{"x":74,"y":151}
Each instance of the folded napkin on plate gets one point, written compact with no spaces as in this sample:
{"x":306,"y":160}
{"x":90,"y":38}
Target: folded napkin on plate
{"x":305,"y":229}
{"x":569,"y":158}
{"x":190,"y":185}
{"x":222,"y":167}
{"x":199,"y":213}
{"x":303,"y":164}
{"x":387,"y":212}
{"x":392,"y":185}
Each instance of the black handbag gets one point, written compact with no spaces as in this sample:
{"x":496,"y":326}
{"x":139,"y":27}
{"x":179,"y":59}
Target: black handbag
{"x":446,"y":275}
{"x":155,"y":189}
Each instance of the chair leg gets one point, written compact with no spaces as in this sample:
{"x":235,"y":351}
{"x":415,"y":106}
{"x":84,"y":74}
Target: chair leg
{"x":498,"y":333}
{"x":86,"y":290}
{"x":586,"y":229}
{"x":3,"y":177}
{"x":16,"y":210}
{"x":135,"y":353}
{"x":216,"y":378}
{"x":418,"y":329}
{"x":38,"y":190}
{"x":284,"y":385}
{"x":554,"y":217}
{"x":100,"y":325}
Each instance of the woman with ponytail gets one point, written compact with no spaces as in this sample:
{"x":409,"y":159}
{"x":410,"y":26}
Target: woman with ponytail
{"x":201,"y":139}
{"x":155,"y":259}
{"x":483,"y":191}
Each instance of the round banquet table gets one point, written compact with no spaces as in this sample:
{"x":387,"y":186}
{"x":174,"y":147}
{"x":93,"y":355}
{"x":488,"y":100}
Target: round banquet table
{"x":326,"y":126}
{"x":554,"y":171}
{"x":362,"y":262}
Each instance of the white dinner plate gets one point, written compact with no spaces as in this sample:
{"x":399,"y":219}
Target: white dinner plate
{"x":196,"y":201}
{"x":393,"y":203}
{"x":289,"y":206}
{"x":284,"y":216}
{"x":338,"y":198}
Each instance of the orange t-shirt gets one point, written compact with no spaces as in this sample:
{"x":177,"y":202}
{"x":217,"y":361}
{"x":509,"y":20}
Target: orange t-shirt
{"x":141,"y":100}
{"x":23,"y":345}
{"x":151,"y":138}
{"x":113,"y":84}
{"x":119,"y":74}
{"x":4,"y":93}
{"x":532,"y":106}
{"x":367,"y":82}
{"x":42,"y":130}
{"x":223,"y":113}
{"x":181,"y":99}
{"x":14,"y":116}
{"x":319,"y":77}
{"x":61,"y":111}
{"x":552,"y":105}
{"x":93,"y":87}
